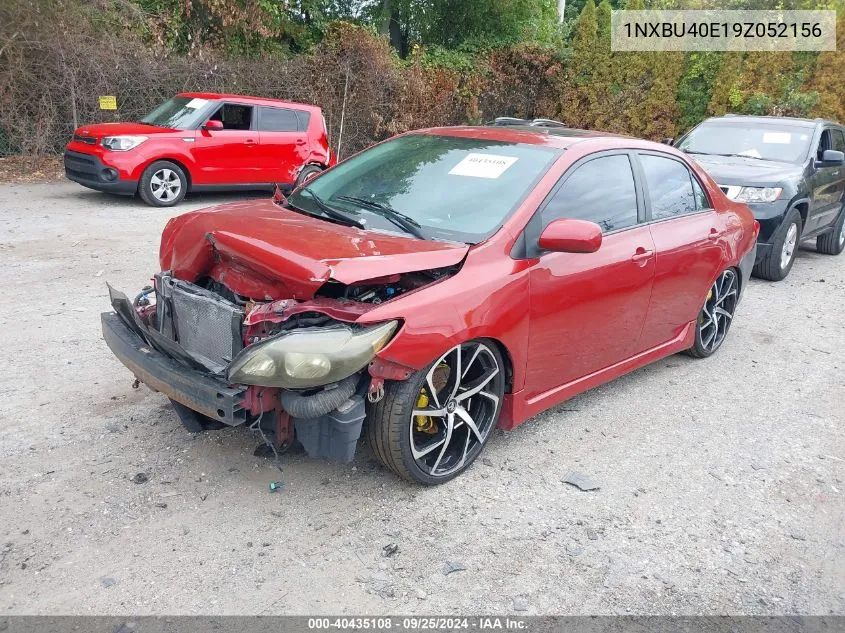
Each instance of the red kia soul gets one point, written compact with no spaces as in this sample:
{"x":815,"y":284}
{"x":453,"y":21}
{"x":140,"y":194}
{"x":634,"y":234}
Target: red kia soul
{"x":202,"y":142}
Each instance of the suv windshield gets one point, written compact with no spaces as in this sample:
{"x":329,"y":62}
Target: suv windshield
{"x":439,"y":187}
{"x":181,"y":113}
{"x":776,"y":141}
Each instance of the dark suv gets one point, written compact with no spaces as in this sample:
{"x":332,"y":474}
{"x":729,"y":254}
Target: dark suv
{"x":788,"y":171}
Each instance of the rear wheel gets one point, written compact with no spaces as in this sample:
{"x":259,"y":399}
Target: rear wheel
{"x":307,"y":173}
{"x":777,"y":264}
{"x":833,"y":243}
{"x":716,"y":316}
{"x":431,"y":427}
{"x":163,"y":184}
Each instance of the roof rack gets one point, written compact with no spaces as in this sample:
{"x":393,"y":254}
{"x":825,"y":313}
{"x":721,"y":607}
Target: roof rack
{"x":504,"y":121}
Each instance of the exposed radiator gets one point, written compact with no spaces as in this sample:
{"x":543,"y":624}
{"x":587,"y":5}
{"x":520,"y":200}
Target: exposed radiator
{"x":204,"y":324}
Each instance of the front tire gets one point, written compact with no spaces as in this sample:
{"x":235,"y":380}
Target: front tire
{"x":163,"y":184}
{"x":715,"y":318}
{"x":833,"y":243}
{"x":431,"y":427}
{"x":777,"y":264}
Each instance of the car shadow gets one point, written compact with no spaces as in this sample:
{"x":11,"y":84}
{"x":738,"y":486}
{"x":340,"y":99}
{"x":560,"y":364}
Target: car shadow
{"x":193,"y":200}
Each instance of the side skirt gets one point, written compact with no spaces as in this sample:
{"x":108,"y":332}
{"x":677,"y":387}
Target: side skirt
{"x":517,"y":409}
{"x":254,"y":186}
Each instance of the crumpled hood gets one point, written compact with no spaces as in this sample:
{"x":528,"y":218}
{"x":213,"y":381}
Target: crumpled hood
{"x":263,"y":251}
{"x":735,"y":170}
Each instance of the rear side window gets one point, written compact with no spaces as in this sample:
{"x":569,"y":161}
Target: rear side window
{"x":601,"y":191}
{"x":670,"y":187}
{"x":701,"y":201}
{"x":282,"y":120}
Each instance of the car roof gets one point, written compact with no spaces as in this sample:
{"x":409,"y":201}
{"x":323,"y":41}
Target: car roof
{"x":740,"y":119}
{"x":220,"y":96}
{"x":559,"y":138}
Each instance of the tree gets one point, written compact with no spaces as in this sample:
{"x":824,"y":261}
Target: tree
{"x":726,"y":95}
{"x":826,"y":81}
{"x":577,"y":103}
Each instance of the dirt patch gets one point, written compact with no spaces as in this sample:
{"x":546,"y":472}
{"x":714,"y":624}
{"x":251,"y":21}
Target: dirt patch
{"x":24,"y":169}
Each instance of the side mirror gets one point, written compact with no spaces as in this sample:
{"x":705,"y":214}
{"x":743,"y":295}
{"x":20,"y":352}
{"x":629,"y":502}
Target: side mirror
{"x":212,"y":124}
{"x":667,"y":141}
{"x":568,"y":235}
{"x":832,"y":158}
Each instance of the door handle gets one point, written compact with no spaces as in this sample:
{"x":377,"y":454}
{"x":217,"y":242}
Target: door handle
{"x":300,"y":141}
{"x":714,"y":235}
{"x":641,"y":256}
{"x":249,"y":141}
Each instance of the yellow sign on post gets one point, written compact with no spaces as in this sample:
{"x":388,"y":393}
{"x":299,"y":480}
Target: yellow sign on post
{"x":108,"y":102}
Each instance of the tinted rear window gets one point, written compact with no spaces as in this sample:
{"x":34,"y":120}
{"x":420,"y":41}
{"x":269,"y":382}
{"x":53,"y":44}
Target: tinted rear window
{"x":280,"y":120}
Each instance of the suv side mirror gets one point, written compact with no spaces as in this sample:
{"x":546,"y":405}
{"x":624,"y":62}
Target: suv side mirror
{"x":832,"y":158}
{"x":212,"y":124}
{"x":568,"y":235}
{"x":667,"y":141}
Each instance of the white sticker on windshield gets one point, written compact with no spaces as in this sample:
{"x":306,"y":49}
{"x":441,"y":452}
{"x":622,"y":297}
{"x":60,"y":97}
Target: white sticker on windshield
{"x":779,"y":138}
{"x":196,"y":103}
{"x":482,"y":165}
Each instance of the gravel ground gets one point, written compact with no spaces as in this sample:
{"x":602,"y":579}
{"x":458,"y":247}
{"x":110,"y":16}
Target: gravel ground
{"x":721,"y":480}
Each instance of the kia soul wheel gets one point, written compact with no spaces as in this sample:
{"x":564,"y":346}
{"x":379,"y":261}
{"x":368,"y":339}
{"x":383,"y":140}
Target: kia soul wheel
{"x":431,"y":427}
{"x":163,"y":184}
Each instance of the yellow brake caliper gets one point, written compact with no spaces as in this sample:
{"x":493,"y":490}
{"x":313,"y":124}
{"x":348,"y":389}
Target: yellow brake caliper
{"x":425,"y":423}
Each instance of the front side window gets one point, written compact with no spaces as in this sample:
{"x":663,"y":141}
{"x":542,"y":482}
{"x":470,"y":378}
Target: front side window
{"x":837,"y":141}
{"x":453,"y":187}
{"x":180,"y":113}
{"x":670,"y":187}
{"x":774,"y":141}
{"x":233,"y":116}
{"x":601,"y":191}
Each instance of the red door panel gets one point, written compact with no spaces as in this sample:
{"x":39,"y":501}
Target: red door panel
{"x":588,"y":310}
{"x":225,"y":157}
{"x":282,"y":154}
{"x":689,"y":255}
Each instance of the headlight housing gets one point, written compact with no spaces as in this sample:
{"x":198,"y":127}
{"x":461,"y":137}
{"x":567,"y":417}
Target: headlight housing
{"x":757,"y":194}
{"x":122,"y":143}
{"x":310,"y":357}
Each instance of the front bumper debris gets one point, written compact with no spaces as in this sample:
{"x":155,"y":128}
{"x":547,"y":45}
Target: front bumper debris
{"x":165,"y":366}
{"x":203,"y":394}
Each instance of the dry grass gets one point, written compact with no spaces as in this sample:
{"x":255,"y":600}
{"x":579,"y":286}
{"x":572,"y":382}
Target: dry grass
{"x":24,"y":169}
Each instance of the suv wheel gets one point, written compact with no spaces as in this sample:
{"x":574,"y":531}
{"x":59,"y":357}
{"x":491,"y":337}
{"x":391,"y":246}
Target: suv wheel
{"x":163,"y":184}
{"x":306,"y":174}
{"x":777,"y":264}
{"x":833,"y":243}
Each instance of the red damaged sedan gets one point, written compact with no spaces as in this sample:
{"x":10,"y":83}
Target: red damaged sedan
{"x":435,"y":286}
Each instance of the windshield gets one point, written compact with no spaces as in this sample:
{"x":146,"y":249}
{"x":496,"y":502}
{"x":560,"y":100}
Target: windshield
{"x":778,"y":141}
{"x":181,"y":113}
{"x":447,"y":187}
